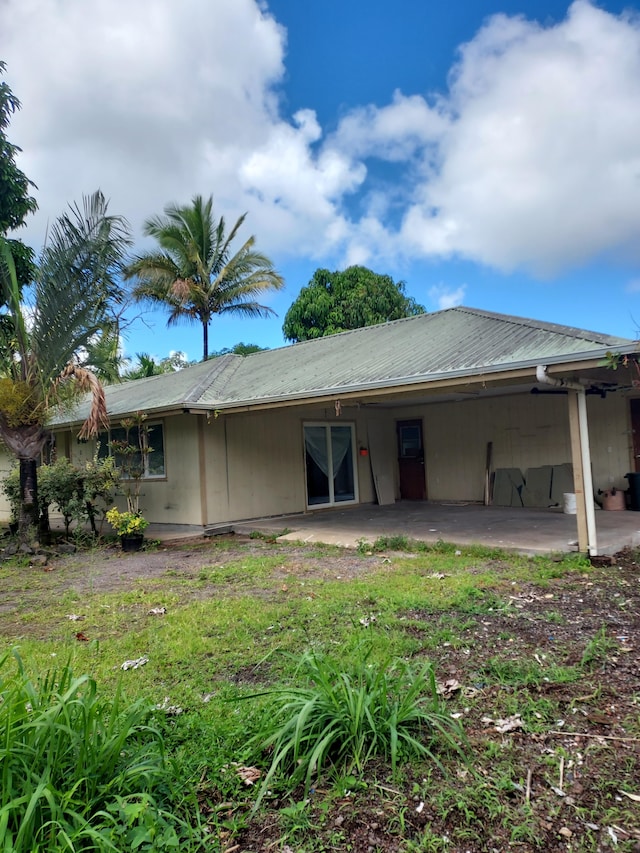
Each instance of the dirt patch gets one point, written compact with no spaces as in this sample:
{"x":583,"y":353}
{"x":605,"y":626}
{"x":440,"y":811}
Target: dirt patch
{"x":557,"y":668}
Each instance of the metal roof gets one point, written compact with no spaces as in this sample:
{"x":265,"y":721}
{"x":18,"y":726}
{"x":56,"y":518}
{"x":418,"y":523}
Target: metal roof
{"x":445,"y":344}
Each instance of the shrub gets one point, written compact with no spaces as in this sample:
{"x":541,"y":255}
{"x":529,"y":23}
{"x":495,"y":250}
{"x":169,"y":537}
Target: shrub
{"x":78,"y":772}
{"x":80,"y":494}
{"x":343,"y":718}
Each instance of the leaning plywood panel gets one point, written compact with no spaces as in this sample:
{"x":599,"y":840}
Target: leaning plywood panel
{"x":537,"y":489}
{"x":507,"y":487}
{"x":561,"y":482}
{"x":381,"y":463}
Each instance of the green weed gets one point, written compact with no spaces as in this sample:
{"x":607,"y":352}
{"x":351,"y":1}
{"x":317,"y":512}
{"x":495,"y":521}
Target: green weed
{"x":598,"y":649}
{"x":345,"y":716}
{"x":79,"y":772}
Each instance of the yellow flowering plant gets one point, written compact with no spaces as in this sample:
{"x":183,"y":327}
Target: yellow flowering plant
{"x":126,"y":523}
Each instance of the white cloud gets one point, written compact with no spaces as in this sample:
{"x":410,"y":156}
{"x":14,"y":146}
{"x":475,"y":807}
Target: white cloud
{"x":150,"y":99}
{"x":445,"y":297}
{"x":540,"y":167}
{"x":530,"y":159}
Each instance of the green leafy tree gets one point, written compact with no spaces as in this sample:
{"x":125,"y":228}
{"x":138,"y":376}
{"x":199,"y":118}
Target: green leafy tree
{"x":41,"y":343}
{"x":197,"y":274}
{"x":15,"y":199}
{"x":338,"y":301}
{"x":238,"y":349}
{"x":147,"y":365}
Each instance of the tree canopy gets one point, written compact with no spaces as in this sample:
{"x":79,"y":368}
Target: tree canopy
{"x":338,"y":301}
{"x":197,"y":274}
{"x":238,"y":349}
{"x":15,"y":199}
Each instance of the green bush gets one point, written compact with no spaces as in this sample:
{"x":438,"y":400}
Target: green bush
{"x":343,"y":718}
{"x":78,"y":772}
{"x":81,"y":494}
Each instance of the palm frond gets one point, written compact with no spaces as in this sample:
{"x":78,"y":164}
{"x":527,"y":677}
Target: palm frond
{"x":85,"y":382}
{"x":196,"y":274}
{"x":89,"y":243}
{"x":14,"y":338}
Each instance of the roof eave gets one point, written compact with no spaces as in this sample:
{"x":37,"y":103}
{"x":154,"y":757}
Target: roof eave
{"x":516,"y":370}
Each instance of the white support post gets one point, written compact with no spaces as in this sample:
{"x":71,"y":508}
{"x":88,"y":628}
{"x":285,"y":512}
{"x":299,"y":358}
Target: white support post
{"x":583,"y":482}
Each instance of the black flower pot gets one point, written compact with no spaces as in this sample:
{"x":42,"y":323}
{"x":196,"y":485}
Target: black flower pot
{"x":132,"y":541}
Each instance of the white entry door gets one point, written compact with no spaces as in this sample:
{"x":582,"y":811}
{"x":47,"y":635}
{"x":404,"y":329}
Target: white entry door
{"x":330,"y":463}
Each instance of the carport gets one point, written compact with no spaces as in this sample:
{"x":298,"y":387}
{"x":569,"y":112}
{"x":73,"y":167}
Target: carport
{"x":530,"y":531}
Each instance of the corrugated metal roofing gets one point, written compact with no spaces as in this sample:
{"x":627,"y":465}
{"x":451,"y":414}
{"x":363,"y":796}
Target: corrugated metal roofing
{"x":453,"y":342}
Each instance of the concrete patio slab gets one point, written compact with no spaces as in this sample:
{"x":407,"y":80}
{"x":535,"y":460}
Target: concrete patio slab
{"x":531,"y":531}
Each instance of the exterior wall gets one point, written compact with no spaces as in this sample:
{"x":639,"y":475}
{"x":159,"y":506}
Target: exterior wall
{"x":6,"y":464}
{"x":610,"y":440}
{"x":255,"y":461}
{"x":175,"y":498}
{"x":526,"y":430}
{"x":252,"y":464}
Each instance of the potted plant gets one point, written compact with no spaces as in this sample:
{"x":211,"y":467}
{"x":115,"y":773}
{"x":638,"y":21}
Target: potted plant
{"x":129,"y":526}
{"x":130,"y":452}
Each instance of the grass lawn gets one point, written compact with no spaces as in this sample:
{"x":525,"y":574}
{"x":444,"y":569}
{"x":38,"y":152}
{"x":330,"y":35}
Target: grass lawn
{"x":469,"y":700}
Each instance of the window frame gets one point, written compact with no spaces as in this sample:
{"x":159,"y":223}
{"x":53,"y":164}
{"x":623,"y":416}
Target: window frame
{"x":333,"y":503}
{"x":105,"y":449}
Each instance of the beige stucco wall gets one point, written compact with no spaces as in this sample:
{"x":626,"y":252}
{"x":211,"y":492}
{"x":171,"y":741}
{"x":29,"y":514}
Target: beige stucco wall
{"x":526,"y":430}
{"x":252,"y":464}
{"x":255,"y":461}
{"x":175,"y":498}
{"x":6,"y":463}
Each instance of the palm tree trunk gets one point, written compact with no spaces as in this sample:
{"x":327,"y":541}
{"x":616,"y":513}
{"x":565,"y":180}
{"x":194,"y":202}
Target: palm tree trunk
{"x":26,"y":443}
{"x":205,"y":341}
{"x":29,"y":515}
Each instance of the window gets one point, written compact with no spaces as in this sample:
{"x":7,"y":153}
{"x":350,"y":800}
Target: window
{"x":330,"y":464}
{"x":137,"y":450}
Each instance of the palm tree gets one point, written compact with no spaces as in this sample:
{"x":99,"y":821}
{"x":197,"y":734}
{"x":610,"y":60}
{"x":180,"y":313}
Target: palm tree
{"x":149,"y":366}
{"x":196,"y":275}
{"x":41,"y":344}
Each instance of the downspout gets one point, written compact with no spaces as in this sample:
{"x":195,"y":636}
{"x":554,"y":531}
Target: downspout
{"x":585,"y":453}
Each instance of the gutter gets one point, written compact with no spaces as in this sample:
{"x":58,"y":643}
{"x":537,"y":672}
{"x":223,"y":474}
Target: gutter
{"x":587,"y":506}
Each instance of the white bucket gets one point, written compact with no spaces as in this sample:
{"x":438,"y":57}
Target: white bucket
{"x":569,"y":503}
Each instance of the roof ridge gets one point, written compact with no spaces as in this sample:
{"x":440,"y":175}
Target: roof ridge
{"x":354,"y":331}
{"x":219,"y":365}
{"x":559,"y":328}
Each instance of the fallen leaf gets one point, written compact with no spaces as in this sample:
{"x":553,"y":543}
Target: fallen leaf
{"x":509,"y":724}
{"x":82,"y":637}
{"x":170,"y":710}
{"x":249,"y":775}
{"x":134,"y":664}
{"x":634,"y":797}
{"x":448,"y":687}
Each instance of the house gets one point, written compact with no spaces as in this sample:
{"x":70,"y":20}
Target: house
{"x":431,"y":407}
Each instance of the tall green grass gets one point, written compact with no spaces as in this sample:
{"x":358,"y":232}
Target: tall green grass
{"x":346,"y":715}
{"x":78,"y":772}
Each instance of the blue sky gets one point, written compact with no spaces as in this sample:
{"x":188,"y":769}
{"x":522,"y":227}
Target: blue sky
{"x":489,"y":157}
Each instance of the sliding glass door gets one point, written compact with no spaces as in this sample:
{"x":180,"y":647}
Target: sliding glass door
{"x":330,"y":464}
